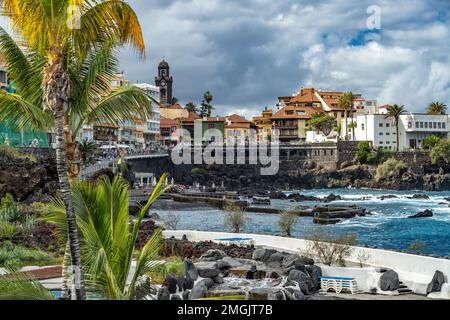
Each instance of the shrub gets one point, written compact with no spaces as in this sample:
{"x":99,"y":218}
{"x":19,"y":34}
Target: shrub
{"x":332,"y":250}
{"x":389,"y":168}
{"x":364,"y":154}
{"x":174,"y":266}
{"x":430,"y":142}
{"x":235,"y":219}
{"x":441,"y":152}
{"x":14,"y":256}
{"x":171,"y":220}
{"x":287,"y":220}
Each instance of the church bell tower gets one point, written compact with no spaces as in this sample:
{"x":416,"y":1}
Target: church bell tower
{"x":164,"y":82}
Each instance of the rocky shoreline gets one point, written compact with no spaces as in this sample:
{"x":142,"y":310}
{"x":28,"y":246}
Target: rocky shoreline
{"x":245,"y":179}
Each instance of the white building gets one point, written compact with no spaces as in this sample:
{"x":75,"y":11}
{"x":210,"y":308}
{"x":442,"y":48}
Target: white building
{"x":413,"y":129}
{"x":152,"y":125}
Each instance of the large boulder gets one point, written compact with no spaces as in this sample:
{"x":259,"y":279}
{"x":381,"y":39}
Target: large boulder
{"x":171,"y":283}
{"x":265,"y":293}
{"x":293,"y":293}
{"x":389,"y":281}
{"x":163,"y":294}
{"x":303,"y":280}
{"x":233,"y":263}
{"x":437,"y":282}
{"x":314,"y":273}
{"x":199,"y":291}
{"x":190,"y":271}
{"x":207,"y":269}
{"x":276,"y":259}
{"x":213,"y":255}
{"x":262,"y":254}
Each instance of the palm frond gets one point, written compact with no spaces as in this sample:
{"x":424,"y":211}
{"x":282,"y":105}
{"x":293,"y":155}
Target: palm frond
{"x":16,"y":286}
{"x":124,"y":103}
{"x":20,"y":113}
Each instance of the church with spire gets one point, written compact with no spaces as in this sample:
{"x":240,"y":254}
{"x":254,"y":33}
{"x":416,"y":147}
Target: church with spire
{"x":164,"y":81}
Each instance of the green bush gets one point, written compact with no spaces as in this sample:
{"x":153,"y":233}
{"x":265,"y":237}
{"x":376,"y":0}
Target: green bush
{"x":441,"y":152}
{"x":364,"y":154}
{"x":174,"y":266}
{"x":430,"y":142}
{"x":15,"y":256}
{"x":389,"y":167}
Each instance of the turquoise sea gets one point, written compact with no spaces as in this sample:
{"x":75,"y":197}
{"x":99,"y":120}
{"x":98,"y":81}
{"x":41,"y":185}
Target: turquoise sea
{"x":387,"y":228}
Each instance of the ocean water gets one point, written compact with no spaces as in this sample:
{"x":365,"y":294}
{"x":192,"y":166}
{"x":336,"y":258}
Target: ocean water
{"x":387,"y":228}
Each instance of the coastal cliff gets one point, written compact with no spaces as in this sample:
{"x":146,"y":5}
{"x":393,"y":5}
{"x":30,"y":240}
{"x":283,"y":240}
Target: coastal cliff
{"x":247,"y":179}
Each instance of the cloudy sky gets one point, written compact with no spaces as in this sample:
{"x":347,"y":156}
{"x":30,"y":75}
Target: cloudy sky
{"x":249,"y":52}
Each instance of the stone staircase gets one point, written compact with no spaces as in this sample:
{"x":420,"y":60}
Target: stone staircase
{"x":404,"y":290}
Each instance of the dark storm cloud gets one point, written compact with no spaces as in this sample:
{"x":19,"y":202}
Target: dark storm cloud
{"x":250,"y":52}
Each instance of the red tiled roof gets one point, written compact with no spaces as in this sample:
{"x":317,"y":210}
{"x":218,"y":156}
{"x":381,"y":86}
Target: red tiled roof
{"x":306,"y":113}
{"x":164,"y":122}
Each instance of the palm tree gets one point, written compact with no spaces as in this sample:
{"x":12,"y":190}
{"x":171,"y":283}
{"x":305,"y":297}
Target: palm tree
{"x":45,"y":26}
{"x":87,"y":150}
{"x":346,"y":102}
{"x":107,"y":243}
{"x":191,"y":107}
{"x":394,"y":112}
{"x":437,"y":108}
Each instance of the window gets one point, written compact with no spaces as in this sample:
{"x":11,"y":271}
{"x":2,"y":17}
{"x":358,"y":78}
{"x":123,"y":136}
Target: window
{"x":434,"y":125}
{"x":211,"y":126}
{"x":388,"y":142}
{"x":439,"y":125}
{"x":381,"y":125}
{"x":409,"y":125}
{"x":381,"y":133}
{"x":417,"y":124}
{"x":421,"y":125}
{"x":426,"y":125}
{"x":388,"y":134}
{"x":430,"y":125}
{"x":443,"y":125}
{"x":388,"y":125}
{"x":362,"y":126}
{"x":381,"y":142}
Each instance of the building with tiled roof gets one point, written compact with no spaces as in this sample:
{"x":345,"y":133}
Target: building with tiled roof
{"x":291,"y":121}
{"x":168,"y":128}
{"x":173,"y":112}
{"x":264,"y":124}
{"x":237,"y":127}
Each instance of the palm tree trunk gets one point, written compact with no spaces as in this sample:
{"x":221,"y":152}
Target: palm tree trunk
{"x":398,"y":138}
{"x":353,"y":127}
{"x":346,"y":126}
{"x":65,"y":290}
{"x":66,"y":195}
{"x":56,"y":93}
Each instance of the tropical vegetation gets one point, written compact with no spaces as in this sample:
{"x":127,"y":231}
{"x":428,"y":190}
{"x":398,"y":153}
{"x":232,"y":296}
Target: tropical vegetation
{"x":63,"y":43}
{"x":346,"y":102}
{"x":394,"y":112}
{"x":364,"y":153}
{"x":430,"y":142}
{"x":437,"y":108}
{"x":322,"y":122}
{"x":441,"y":152}
{"x":390,"y":167}
{"x":107,"y":241}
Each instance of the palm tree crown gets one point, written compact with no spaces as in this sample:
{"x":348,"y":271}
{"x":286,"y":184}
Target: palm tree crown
{"x":437,"y":108}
